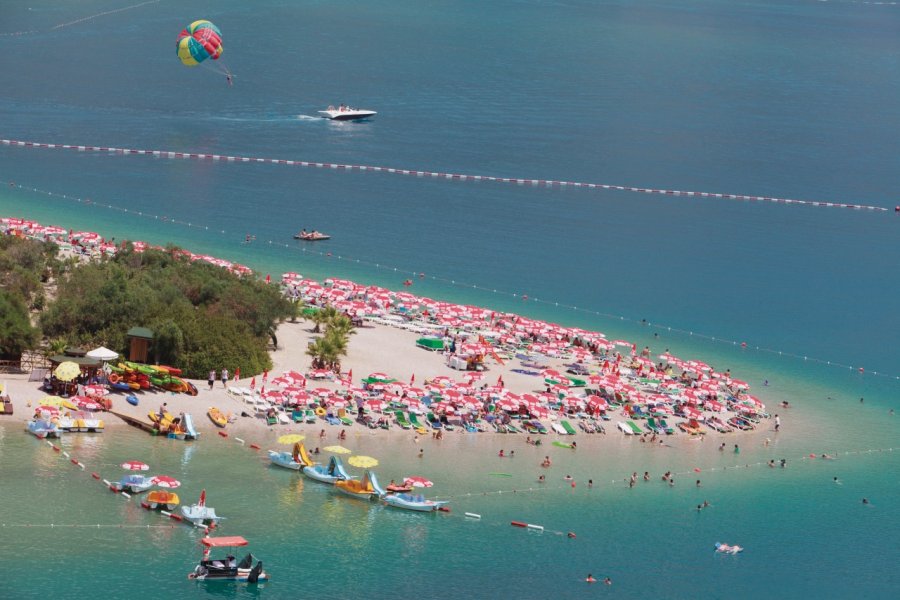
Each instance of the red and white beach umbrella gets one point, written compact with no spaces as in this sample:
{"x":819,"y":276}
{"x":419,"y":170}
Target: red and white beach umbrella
{"x":164,"y":481}
{"x":417,"y":481}
{"x":135,"y":465}
{"x":508,"y":404}
{"x":375,"y":404}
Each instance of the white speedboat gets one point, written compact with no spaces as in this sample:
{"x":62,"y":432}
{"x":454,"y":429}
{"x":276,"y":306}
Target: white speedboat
{"x":346,"y":113}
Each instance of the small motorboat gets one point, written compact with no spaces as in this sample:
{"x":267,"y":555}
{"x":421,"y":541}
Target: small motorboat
{"x":331,"y":473}
{"x":43,"y":428}
{"x":162,"y":500}
{"x":726,"y":549}
{"x":311,"y":236}
{"x":133,"y":484}
{"x":415,"y":502}
{"x":200,"y":513}
{"x":227,"y":569}
{"x":346,"y":113}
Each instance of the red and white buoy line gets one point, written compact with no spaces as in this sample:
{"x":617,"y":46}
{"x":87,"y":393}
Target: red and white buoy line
{"x":550,"y":183}
{"x":77,"y":21}
{"x":413,"y":275}
{"x":108,"y":484}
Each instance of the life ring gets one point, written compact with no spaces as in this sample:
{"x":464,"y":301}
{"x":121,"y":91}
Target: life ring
{"x":320,"y":411}
{"x":114,"y":378}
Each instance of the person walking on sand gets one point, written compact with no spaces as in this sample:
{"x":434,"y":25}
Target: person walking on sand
{"x":211,"y":380}
{"x":225,"y":378}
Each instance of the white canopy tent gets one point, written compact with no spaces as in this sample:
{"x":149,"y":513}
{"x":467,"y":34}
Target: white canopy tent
{"x":102,"y":353}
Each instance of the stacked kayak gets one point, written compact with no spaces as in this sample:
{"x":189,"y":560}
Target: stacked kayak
{"x":134,"y":376}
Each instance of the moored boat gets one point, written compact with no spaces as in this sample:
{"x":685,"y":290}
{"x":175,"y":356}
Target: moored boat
{"x":415,"y":502}
{"x":80,"y":422}
{"x":294,"y":460}
{"x":200,"y":513}
{"x":162,"y":500}
{"x":227,"y":569}
{"x":366,"y":488}
{"x":133,"y":484}
{"x":42,"y":428}
{"x":330,"y":473}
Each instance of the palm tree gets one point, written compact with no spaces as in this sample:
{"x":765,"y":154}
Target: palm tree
{"x":323,"y":316}
{"x":55,"y":347}
{"x":296,"y":310}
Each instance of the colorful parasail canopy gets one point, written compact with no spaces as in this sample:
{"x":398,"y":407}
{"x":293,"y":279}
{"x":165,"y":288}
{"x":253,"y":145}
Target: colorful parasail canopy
{"x":197,"y":42}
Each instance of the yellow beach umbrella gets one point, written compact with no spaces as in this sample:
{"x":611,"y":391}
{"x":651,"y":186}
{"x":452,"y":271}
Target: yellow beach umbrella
{"x":67,"y":371}
{"x":52,"y":401}
{"x":291,"y":438}
{"x":336,"y":450}
{"x":363,"y":462}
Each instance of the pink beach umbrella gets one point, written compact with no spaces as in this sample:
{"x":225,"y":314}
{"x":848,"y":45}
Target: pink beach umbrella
{"x":417,"y":481}
{"x":164,"y":481}
{"x":135,"y":465}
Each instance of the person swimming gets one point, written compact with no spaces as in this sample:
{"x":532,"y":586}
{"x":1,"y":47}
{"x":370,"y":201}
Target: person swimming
{"x":590,"y":578}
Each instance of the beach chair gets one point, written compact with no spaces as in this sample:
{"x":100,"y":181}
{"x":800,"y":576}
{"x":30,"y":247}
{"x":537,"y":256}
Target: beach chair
{"x":401,"y":420}
{"x":651,"y":425}
{"x":298,"y":416}
{"x":638,"y":413}
{"x":635,"y":430}
{"x":665,"y":427}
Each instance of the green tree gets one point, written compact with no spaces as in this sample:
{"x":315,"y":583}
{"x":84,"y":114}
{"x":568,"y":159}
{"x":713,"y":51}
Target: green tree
{"x":16,"y":331}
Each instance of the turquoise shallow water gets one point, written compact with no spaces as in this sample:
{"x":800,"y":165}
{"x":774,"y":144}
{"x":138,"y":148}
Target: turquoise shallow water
{"x":798,"y":528}
{"x":795,"y":99}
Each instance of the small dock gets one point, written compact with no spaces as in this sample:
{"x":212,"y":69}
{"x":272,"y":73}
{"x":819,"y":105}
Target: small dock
{"x":142,"y":425}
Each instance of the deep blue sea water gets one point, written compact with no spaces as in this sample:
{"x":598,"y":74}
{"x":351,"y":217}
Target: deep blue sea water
{"x":794,"y":98}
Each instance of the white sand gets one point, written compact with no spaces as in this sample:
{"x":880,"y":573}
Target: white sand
{"x":374,"y":348}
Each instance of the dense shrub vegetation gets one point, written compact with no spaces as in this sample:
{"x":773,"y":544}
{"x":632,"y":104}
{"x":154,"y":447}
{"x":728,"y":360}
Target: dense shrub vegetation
{"x":203,"y":317}
{"x":24,"y":267}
